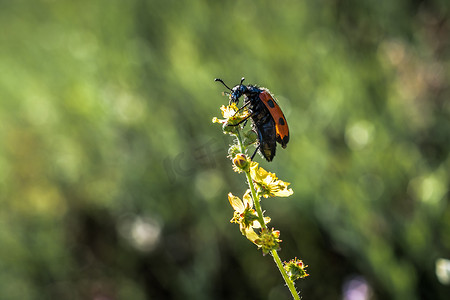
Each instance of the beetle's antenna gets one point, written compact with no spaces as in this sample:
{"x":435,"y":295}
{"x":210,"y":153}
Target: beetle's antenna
{"x":242,"y":80}
{"x":220,"y":80}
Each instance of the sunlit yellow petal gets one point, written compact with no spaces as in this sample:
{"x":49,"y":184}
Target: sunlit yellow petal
{"x":263,"y":173}
{"x":248,"y":198}
{"x":256,"y":223}
{"x":228,"y":111}
{"x":283,"y":193}
{"x":254,"y":172}
{"x":236,"y":203}
{"x":250,"y":234}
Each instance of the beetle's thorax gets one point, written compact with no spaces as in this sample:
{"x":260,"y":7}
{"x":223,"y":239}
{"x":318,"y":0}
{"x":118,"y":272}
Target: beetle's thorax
{"x":240,"y":90}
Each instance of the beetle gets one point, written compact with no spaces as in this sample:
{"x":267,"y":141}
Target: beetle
{"x":268,"y":120}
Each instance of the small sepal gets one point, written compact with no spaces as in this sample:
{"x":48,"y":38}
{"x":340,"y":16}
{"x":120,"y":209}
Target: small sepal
{"x":295,"y":269}
{"x":268,"y":240}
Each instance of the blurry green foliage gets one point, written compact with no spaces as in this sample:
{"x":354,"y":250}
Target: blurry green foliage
{"x":113,"y":180}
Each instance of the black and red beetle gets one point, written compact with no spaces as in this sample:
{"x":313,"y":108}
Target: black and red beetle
{"x":268,"y":120}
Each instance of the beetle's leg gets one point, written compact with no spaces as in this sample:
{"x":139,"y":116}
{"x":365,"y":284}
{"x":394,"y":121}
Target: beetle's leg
{"x":245,"y":105}
{"x":242,"y":121}
{"x":254,"y":153}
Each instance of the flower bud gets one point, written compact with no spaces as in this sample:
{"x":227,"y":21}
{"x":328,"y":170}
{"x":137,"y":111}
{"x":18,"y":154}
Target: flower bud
{"x":241,"y":161}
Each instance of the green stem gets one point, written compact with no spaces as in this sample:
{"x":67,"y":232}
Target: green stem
{"x":256,"y":201}
{"x":285,"y":276}
{"x":252,"y":187}
{"x":258,"y":209}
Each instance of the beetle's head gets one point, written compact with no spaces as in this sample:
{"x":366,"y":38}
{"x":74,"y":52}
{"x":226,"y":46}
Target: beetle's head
{"x":236,"y":92}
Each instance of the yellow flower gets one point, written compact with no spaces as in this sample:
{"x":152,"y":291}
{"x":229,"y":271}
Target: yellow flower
{"x":232,"y":116}
{"x":268,"y":183}
{"x":245,"y":215}
{"x":227,"y":112}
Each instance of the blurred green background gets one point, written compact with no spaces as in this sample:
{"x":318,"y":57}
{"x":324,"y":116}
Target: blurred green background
{"x":114,"y":181}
